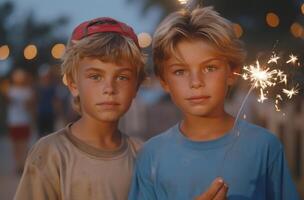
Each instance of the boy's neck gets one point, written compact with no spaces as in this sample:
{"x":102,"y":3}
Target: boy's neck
{"x":101,"y":135}
{"x":206,"y":128}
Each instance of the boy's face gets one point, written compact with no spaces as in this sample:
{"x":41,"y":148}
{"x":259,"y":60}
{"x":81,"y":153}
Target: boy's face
{"x":106,"y":90}
{"x":198,"y":80}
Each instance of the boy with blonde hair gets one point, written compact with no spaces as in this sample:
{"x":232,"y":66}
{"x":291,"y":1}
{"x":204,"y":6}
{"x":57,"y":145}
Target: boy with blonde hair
{"x":90,"y":159}
{"x":196,"y":54}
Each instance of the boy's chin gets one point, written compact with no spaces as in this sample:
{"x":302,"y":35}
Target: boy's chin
{"x":109,"y":118}
{"x":203,"y":114}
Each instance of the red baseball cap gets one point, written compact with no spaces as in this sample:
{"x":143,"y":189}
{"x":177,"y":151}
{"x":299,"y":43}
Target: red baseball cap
{"x":102,"y":25}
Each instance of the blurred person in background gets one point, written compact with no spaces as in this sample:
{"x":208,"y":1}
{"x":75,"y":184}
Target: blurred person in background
{"x":19,"y":115}
{"x":3,"y":106}
{"x":46,"y":101}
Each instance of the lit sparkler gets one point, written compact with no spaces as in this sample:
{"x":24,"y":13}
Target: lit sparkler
{"x":263,"y":78}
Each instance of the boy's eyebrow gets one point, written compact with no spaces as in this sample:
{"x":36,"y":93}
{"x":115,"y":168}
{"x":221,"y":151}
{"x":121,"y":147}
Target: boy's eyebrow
{"x":212,"y":59}
{"x":179,"y":63}
{"x":125,"y":69}
{"x":93,"y":69}
{"x":120,"y":69}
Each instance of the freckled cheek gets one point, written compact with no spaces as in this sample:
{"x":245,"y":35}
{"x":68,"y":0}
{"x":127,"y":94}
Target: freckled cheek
{"x":179,"y":91}
{"x":126,"y":89}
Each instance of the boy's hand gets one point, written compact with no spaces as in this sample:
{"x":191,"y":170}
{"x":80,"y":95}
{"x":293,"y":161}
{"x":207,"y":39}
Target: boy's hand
{"x":217,"y":191}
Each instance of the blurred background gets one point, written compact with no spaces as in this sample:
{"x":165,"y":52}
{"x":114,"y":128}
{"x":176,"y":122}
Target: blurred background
{"x":33,"y":34}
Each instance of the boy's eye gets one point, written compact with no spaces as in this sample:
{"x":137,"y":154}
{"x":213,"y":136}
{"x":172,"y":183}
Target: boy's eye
{"x":179,"y":72}
{"x":210,"y":68}
{"x":122,"y":77}
{"x":95,"y":77}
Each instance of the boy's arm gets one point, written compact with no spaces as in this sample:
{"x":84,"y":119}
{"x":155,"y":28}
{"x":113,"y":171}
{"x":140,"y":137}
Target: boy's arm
{"x":39,"y":180}
{"x":280,"y":185}
{"x":142,"y":184}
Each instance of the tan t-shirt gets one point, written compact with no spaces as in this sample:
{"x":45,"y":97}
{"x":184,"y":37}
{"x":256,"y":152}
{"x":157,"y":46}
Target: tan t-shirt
{"x":60,"y":166}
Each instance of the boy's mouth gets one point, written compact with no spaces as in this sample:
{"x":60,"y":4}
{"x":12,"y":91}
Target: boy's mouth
{"x":108,"y":103}
{"x":198,"y":99}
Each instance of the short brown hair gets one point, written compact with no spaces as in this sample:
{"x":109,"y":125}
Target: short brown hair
{"x":107,"y":47}
{"x":201,"y":23}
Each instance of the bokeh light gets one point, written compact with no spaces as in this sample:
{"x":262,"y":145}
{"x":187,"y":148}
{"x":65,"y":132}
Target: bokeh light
{"x":4,"y":52}
{"x":144,"y":40}
{"x":183,"y":1}
{"x":296,"y":29}
{"x":64,"y":80}
{"x":30,"y":52}
{"x":272,"y":19}
{"x":238,"y":30}
{"x":58,"y":51}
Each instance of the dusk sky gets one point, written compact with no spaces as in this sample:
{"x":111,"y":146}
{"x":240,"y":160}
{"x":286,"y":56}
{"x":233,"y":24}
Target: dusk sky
{"x":80,"y":10}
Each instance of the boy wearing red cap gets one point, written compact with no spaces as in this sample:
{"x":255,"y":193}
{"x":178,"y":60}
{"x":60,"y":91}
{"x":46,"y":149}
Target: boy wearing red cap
{"x":90,"y":158}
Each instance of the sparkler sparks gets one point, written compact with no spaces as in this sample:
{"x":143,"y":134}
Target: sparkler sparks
{"x":292,"y":59}
{"x":263,"y":78}
{"x":273,"y":59}
{"x":290,"y":93}
{"x":260,"y":78}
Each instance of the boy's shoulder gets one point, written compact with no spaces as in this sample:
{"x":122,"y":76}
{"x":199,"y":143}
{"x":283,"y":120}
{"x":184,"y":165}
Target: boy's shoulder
{"x":47,"y":147}
{"x":258,"y":135}
{"x":135,"y":143}
{"x":162,"y":139}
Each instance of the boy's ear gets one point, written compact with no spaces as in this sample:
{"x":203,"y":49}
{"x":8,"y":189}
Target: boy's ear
{"x":73,"y":88}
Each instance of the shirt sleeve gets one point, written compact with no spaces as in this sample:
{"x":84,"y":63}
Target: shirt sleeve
{"x":40,"y":180}
{"x":280,"y":185}
{"x":142,"y":187}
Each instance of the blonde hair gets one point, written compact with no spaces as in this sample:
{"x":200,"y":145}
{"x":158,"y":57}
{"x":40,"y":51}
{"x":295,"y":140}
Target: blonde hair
{"x":107,"y":47}
{"x":201,"y":23}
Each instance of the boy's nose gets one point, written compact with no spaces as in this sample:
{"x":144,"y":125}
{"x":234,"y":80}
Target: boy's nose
{"x":196,"y":81}
{"x":108,"y":87}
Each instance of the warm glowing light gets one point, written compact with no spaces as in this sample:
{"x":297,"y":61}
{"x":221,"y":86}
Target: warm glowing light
{"x":261,"y":78}
{"x":238,"y":30}
{"x":4,"y":52}
{"x":144,"y":40}
{"x":272,"y":19}
{"x":290,"y":93}
{"x":262,"y":97}
{"x":292,"y":59}
{"x":30,"y":52}
{"x":278,"y":98}
{"x":273,"y":59}
{"x":265,"y":77}
{"x":302,"y":8}
{"x":64,"y":80}
{"x":296,"y":29}
{"x":58,"y":50}
{"x":282,"y":77}
{"x":183,"y":1}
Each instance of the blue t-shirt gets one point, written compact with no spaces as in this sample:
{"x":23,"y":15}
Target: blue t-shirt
{"x":172,"y":167}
